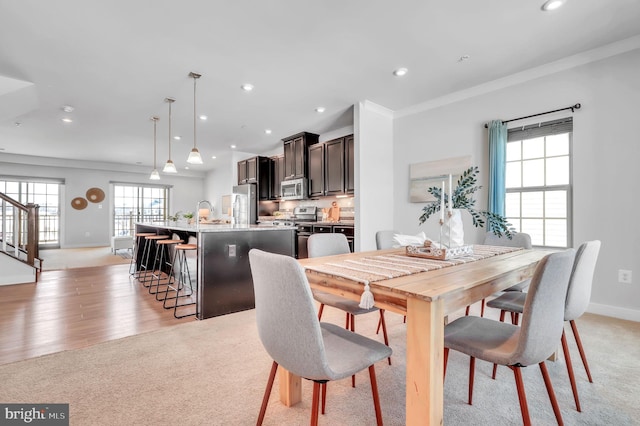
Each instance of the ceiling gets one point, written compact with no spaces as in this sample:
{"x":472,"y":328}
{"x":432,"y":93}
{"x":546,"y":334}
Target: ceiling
{"x":116,"y":61}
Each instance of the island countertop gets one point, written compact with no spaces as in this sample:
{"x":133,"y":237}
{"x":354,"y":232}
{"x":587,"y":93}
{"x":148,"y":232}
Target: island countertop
{"x":212,"y":227}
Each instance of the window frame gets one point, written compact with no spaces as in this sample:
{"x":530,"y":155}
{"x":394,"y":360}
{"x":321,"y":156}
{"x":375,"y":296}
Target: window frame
{"x":551,"y":128}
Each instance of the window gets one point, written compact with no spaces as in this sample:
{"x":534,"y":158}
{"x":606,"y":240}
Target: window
{"x":46,"y":194}
{"x":538,"y":182}
{"x":134,"y":203}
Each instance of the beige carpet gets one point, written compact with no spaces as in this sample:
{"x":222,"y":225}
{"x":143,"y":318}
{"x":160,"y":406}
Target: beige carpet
{"x":55,"y":259}
{"x":213,"y":372}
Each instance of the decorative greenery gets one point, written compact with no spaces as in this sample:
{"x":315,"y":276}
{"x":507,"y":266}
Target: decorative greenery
{"x":188,"y":215}
{"x":462,"y":199}
{"x":175,"y":217}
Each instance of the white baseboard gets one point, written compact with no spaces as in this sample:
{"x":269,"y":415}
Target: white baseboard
{"x":614,"y":311}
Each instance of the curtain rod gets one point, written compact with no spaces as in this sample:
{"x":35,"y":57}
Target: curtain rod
{"x":572,"y":108}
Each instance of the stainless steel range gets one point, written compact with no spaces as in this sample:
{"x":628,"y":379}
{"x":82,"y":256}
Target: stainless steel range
{"x":302,"y":217}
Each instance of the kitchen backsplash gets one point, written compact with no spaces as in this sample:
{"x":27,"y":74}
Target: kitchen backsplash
{"x":345,"y":204}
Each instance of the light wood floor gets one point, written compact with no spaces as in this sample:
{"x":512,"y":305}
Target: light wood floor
{"x":74,"y":308}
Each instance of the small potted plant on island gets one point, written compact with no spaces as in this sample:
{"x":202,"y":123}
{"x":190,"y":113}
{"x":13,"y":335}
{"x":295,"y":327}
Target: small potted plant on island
{"x":462,"y":199}
{"x":188,"y":216}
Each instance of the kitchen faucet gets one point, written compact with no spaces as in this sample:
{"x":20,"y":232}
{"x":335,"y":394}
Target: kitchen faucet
{"x":198,"y":210}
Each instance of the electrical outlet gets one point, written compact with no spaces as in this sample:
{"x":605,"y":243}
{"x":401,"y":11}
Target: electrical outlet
{"x":624,"y":276}
{"x":232,"y":250}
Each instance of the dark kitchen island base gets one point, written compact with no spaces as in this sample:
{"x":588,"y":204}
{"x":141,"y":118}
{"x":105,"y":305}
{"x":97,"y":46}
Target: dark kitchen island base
{"x":223,"y":273}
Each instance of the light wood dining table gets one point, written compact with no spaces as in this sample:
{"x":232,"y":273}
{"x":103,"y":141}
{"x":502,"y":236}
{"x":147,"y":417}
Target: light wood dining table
{"x":426,"y":298}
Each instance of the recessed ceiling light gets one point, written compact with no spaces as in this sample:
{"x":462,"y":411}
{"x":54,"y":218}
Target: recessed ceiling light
{"x":186,"y":167}
{"x":320,"y":110}
{"x":213,"y":157}
{"x":202,"y":117}
{"x":400,"y":72}
{"x":267,"y":131}
{"x":177,"y":137}
{"x":464,"y":58}
{"x":550,"y":5}
{"x":67,"y":108}
{"x":247,"y":87}
{"x":67,"y":120}
{"x":232,"y":146}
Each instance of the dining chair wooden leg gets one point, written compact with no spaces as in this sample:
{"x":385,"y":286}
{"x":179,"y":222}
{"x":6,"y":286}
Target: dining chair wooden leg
{"x":472,"y":373}
{"x":384,"y":331}
{"x":379,"y":325}
{"x":267,"y":393}
{"x":352,"y":318}
{"x":466,"y":312}
{"x":374,"y":392}
{"x":314,"y":403}
{"x":552,"y":395}
{"x":446,"y":359}
{"x":320,"y":311}
{"x":482,"y":308}
{"x":348,"y":321}
{"x":495,"y":366}
{"x":502,"y":312}
{"x":574,"y":328}
{"x":572,"y":377}
{"x":324,"y":396}
{"x":522,"y":397}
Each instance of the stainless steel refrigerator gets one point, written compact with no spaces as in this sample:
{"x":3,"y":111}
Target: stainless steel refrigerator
{"x":245,"y":204}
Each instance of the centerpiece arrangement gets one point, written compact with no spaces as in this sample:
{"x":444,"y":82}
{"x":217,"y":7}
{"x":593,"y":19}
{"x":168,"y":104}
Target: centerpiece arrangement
{"x":458,"y":199}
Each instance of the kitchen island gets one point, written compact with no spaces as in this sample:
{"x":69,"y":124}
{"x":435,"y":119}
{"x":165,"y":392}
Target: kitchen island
{"x":223,"y":275}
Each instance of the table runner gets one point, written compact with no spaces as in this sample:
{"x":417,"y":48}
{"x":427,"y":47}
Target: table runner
{"x":381,"y":267}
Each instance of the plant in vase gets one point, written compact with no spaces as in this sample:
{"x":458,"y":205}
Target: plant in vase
{"x":174,"y":218}
{"x":462,"y":199}
{"x":188,"y":216}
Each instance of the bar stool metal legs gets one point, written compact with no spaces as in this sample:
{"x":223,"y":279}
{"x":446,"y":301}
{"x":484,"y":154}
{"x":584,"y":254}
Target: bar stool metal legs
{"x":140,"y":242}
{"x":182,"y":283}
{"x":150,"y":256}
{"x":165,"y":263}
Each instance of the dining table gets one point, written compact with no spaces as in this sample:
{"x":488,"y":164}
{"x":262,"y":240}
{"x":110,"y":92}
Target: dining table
{"x":426,"y":295}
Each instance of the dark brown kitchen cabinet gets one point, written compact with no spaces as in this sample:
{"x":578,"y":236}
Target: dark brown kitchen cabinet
{"x":295,"y":154}
{"x":316,"y":170}
{"x":334,"y":167}
{"x":256,"y":170}
{"x":329,"y":166}
{"x":349,"y":156}
{"x":277,"y":175}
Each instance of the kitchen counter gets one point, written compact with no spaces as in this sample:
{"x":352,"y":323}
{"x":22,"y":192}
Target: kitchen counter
{"x":223,"y":274}
{"x":212,"y":227}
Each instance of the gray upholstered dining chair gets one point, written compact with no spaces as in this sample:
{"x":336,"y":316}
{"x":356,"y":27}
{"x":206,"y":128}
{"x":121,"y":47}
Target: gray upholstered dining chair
{"x":513,"y":346}
{"x":576,"y":304}
{"x":320,"y":245}
{"x":384,"y":239}
{"x":518,"y":239}
{"x":296,"y":340}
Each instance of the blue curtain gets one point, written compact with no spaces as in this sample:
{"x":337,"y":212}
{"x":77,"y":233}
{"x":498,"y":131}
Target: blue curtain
{"x":497,"y":166}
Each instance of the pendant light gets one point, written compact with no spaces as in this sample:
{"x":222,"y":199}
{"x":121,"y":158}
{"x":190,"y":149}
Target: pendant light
{"x":194,"y":155}
{"x":154,"y":173}
{"x":169,"y":167}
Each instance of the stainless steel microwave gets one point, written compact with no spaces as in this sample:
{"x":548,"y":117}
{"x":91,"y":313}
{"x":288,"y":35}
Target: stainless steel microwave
{"x":294,"y":189}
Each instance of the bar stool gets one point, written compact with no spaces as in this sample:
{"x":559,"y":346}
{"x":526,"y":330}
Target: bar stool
{"x":181,"y":281}
{"x":139,"y":241}
{"x":165,"y":262}
{"x":151,"y":246}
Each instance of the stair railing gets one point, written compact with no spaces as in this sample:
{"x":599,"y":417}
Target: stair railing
{"x":19,"y":230}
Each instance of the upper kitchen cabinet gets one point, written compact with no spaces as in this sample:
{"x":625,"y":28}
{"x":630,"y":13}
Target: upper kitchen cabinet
{"x":331,"y":167}
{"x":295,"y":154}
{"x":256,"y":170}
{"x":277,"y":175}
{"x":349,"y":156}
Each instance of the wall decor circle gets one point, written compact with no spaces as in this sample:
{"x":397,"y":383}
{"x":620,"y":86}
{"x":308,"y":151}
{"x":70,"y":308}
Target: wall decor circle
{"x":95,"y":195}
{"x":79,"y":203}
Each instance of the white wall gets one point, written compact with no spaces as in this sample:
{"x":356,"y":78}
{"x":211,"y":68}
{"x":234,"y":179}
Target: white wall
{"x":606,"y":150}
{"x":92,"y":226}
{"x":374,"y":174}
